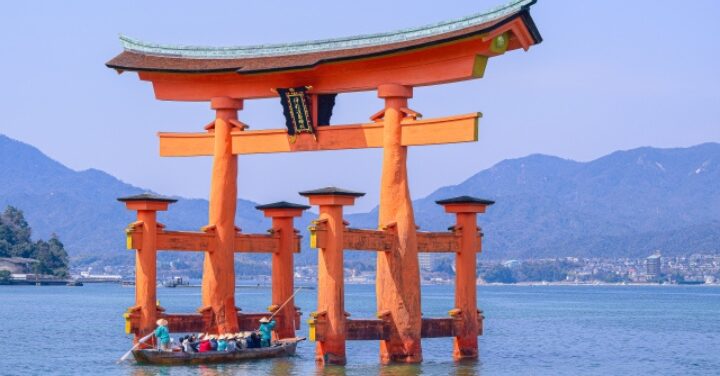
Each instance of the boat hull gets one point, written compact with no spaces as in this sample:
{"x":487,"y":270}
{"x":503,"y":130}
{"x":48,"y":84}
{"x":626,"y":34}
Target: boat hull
{"x":285,"y":348}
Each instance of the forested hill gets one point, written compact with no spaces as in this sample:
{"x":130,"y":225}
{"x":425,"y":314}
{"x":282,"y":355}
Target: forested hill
{"x":81,"y":206}
{"x":628,"y":203}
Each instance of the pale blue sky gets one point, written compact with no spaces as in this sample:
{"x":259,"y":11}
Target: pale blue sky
{"x":610,"y":75}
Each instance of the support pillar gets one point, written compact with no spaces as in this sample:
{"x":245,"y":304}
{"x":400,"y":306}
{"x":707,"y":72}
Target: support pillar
{"x":331,"y":287}
{"x":398,"y":271}
{"x":147,"y":206}
{"x":466,"y":208}
{"x":218,"y":284}
{"x":283,"y":286}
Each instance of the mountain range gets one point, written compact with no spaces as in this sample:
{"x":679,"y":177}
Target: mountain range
{"x":626,"y":204}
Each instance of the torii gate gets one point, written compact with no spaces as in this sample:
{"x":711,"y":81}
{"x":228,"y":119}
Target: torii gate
{"x":390,"y":63}
{"x":147,"y":236}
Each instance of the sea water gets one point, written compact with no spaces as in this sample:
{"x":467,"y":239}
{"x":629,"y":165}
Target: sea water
{"x":566,"y":330}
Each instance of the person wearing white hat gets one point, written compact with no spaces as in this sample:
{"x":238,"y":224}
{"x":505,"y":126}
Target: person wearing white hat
{"x":231,"y":343}
{"x":266,"y":327}
{"x":222,"y":343}
{"x":163,"y":335}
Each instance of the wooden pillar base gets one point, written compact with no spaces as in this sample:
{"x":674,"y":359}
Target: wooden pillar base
{"x":465,"y":313}
{"x":283,"y":281}
{"x":330,"y":358}
{"x":331,"y":315}
{"x":398,"y":271}
{"x":147,"y":206}
{"x":218,"y":283}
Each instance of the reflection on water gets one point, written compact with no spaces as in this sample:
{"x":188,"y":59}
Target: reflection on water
{"x":273,"y":367}
{"x":291,"y":366}
{"x":330,"y":371}
{"x":466,"y":368}
{"x":282,"y":367}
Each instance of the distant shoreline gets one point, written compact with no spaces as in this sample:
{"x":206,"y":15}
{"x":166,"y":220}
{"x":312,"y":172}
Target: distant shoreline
{"x":312,"y":287}
{"x":599,"y":284}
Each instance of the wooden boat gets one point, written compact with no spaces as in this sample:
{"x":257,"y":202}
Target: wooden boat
{"x":281,"y":348}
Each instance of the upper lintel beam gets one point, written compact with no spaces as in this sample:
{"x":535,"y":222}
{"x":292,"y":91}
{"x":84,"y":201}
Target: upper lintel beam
{"x":453,"y":129}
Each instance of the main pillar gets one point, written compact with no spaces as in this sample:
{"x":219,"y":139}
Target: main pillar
{"x":398,"y":271}
{"x":331,"y":287}
{"x":147,"y":206}
{"x":218,"y":284}
{"x":466,"y":208}
{"x":283,"y":286}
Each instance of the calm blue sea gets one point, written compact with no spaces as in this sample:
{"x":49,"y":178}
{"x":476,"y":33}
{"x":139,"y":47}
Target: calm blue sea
{"x":558,"y":330}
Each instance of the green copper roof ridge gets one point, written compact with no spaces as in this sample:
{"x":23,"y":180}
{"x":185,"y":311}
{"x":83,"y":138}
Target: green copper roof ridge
{"x":321,"y":45}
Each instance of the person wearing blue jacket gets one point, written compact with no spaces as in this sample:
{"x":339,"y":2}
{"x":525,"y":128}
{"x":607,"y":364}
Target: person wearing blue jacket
{"x":266,"y":327}
{"x":163,"y":335}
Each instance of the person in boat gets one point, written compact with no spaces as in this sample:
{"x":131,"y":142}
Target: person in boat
{"x":266,"y":327}
{"x":253,"y":340}
{"x":204,"y":344}
{"x":231,"y":343}
{"x":240,"y":341}
{"x":187,"y":344}
{"x":222,"y":343}
{"x":193,"y":342}
{"x":162,"y":334}
{"x":213,"y":343}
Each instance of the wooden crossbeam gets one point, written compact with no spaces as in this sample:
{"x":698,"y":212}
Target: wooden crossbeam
{"x":175,"y":240}
{"x":194,"y":322}
{"x":205,"y":241}
{"x":185,"y":241}
{"x":446,"y":327}
{"x":256,"y":243}
{"x":379,"y":329}
{"x":439,"y":327}
{"x":369,"y":240}
{"x":438,"y":242}
{"x":355,"y":239}
{"x":367,"y":329}
{"x":445,"y":130}
{"x":384,"y":240}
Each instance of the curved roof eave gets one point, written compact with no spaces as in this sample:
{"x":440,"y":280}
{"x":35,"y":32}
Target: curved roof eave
{"x":335,"y":44}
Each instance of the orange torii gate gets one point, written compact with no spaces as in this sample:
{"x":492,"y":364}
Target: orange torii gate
{"x":330,"y":326}
{"x":147,"y":237}
{"x":390,"y":63}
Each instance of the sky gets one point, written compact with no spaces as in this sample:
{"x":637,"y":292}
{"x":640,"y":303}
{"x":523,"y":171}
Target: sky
{"x":610,"y":75}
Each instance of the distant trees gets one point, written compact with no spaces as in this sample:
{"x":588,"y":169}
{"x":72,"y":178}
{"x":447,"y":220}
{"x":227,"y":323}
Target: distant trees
{"x":499,"y":274}
{"x":14,"y":234}
{"x":52,"y":257}
{"x":528,"y":271}
{"x":542,"y":272}
{"x":5,"y":277}
{"x":609,"y":277}
{"x":15,"y":241}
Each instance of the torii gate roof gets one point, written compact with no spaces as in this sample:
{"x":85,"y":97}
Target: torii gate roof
{"x":148,"y":57}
